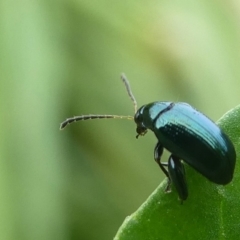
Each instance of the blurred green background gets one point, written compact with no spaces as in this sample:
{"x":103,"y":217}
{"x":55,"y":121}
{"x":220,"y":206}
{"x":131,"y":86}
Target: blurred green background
{"x":64,"y":58}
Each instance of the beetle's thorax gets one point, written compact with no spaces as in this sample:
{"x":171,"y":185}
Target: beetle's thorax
{"x":147,"y":115}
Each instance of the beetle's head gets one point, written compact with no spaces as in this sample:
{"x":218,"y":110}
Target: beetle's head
{"x":139,"y":120}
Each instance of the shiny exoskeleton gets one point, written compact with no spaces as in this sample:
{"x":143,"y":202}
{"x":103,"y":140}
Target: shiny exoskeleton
{"x":191,"y":137}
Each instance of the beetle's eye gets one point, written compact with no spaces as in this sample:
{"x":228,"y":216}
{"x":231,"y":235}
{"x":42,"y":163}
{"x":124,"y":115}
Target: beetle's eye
{"x":138,"y":118}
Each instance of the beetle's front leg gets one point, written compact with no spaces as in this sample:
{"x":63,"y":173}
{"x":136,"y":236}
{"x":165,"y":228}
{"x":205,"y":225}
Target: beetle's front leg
{"x":158,"y":151}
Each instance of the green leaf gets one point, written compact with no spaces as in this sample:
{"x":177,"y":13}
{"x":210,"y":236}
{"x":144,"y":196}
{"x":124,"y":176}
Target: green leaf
{"x":210,"y":212}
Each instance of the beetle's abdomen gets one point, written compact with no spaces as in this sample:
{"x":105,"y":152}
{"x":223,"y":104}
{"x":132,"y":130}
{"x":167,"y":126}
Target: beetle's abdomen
{"x":197,"y":140}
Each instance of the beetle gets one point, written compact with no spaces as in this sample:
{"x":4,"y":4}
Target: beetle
{"x":189,"y":136}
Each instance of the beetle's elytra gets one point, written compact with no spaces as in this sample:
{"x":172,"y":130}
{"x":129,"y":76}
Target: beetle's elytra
{"x":187,"y":134}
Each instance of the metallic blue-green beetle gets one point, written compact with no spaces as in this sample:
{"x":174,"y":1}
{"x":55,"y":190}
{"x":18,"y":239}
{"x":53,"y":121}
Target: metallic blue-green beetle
{"x":189,"y":136}
{"x":186,"y":133}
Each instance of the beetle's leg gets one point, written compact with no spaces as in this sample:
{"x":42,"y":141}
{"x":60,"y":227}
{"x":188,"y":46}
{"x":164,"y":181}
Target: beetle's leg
{"x":158,"y":151}
{"x":165,"y":164}
{"x":177,"y":175}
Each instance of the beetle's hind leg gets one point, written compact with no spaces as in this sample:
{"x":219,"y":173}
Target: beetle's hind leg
{"x":176,"y":172}
{"x":158,"y":151}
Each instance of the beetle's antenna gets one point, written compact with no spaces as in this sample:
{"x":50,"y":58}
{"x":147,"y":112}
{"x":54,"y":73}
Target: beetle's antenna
{"x":102,"y":116}
{"x":129,"y":91}
{"x":91,"y":116}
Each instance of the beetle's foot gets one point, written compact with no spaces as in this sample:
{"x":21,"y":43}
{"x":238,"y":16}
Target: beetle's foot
{"x":168,"y":187}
